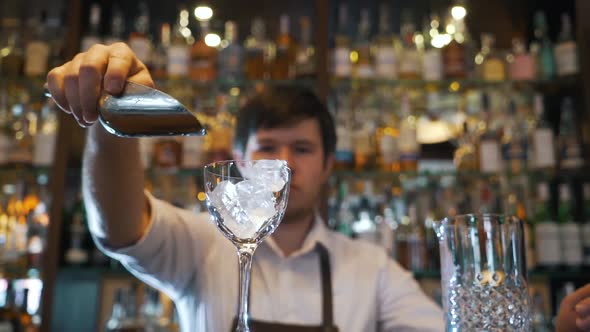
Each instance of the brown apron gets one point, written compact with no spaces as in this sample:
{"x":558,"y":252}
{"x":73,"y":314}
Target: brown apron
{"x":327,"y":309}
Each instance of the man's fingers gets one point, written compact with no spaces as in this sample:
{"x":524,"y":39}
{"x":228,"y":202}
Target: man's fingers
{"x":71,"y":89}
{"x":583,"y":308}
{"x":92,"y":67}
{"x":55,"y":84}
{"x":583,"y":324}
{"x":121,"y":64}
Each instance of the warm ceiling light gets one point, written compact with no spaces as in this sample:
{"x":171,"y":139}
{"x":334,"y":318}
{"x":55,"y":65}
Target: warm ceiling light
{"x":203,"y":13}
{"x":458,"y":12}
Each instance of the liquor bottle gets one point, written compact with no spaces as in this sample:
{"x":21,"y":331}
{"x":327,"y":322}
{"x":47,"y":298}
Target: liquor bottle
{"x":115,"y":321}
{"x":342,"y":64}
{"x":344,"y":155}
{"x":569,"y":230}
{"x":159,"y":56}
{"x":547,"y":237}
{"x":203,"y":67}
{"x":514,"y":141}
{"x":258,"y":49}
{"x":12,"y":55}
{"x":569,"y":144}
{"x":178,"y":54}
{"x":364,"y":227}
{"x":9,"y":315}
{"x":566,"y":50}
{"x":77,"y":232}
{"x":117,"y":26}
{"x":586,"y":225}
{"x":432,"y":61}
{"x":546,"y":61}
{"x":152,"y":312}
{"x":37,"y":50}
{"x":25,"y":318}
{"x":543,"y":148}
{"x":524,"y":66}
{"x":305,"y":58}
{"x":410,"y":66}
{"x":412,"y":243}
{"x":455,"y":53}
{"x":493,"y":67}
{"x":6,"y":130}
{"x":409,"y":147}
{"x":386,"y":62}
{"x":45,"y":139}
{"x":466,"y":158}
{"x":363,"y":143}
{"x":231,"y":57}
{"x":490,"y":157}
{"x":92,"y":37}
{"x":283,"y":66}
{"x":363,"y":68}
{"x":387,"y":140}
{"x":139,"y":39}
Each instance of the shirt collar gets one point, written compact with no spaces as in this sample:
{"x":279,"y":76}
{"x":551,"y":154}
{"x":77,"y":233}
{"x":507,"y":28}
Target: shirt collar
{"x":317,"y":234}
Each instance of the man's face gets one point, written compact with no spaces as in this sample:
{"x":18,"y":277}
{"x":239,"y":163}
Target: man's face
{"x":301,"y":146}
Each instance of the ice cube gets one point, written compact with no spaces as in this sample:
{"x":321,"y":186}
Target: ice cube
{"x":244,"y":229}
{"x":270,"y":173}
{"x":226,"y":200}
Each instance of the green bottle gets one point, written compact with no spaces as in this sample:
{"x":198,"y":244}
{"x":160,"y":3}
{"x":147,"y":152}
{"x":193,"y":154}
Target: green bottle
{"x":546,"y":57}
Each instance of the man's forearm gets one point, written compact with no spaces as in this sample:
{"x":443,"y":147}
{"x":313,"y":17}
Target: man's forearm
{"x":112,"y":183}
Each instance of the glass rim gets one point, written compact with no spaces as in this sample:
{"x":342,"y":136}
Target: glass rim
{"x":233,"y":162}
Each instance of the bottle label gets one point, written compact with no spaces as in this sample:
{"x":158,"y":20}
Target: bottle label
{"x":454,"y":60}
{"x":566,"y":56}
{"x":489,"y":157}
{"x":44,"y":149}
{"x":389,"y":149}
{"x":515,"y":151}
{"x":572,"y":244}
{"x":386,"y":63}
{"x":433,"y":65}
{"x":37,"y":54}
{"x":548,"y":244}
{"x":178,"y":60}
{"x":571,"y":153}
{"x":524,"y":67}
{"x":342,"y":65}
{"x":142,"y":47}
{"x":410,"y":63}
{"x":344,"y":156}
{"x":544,"y":148}
{"x":493,"y":70}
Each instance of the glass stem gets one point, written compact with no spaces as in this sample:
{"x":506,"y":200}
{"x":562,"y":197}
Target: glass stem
{"x":245,"y":253}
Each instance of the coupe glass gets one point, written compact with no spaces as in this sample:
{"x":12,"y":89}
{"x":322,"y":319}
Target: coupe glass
{"x":247,"y":201}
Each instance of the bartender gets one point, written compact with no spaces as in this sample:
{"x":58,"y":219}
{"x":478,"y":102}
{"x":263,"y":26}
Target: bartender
{"x":305,"y":277}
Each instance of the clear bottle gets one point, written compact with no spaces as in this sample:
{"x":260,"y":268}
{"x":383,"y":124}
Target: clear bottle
{"x":9,"y":313}
{"x":409,"y":147}
{"x":159,"y":56}
{"x":203,"y":66}
{"x":363,"y":67}
{"x":25,"y":318}
{"x":493,"y":67}
{"x":77,"y":252}
{"x":569,"y":229}
{"x":117,"y":26}
{"x":386,"y":58}
{"x":387,"y":140}
{"x":46,"y":136}
{"x":305,"y":59}
{"x":546,"y":60}
{"x":547,"y":237}
{"x":344,"y":155}
{"x":490,"y":156}
{"x":514,"y":141}
{"x":569,"y":144}
{"x":566,"y":50}
{"x":37,"y":50}
{"x":231,"y":57}
{"x":466,"y":158}
{"x":178,"y":52}
{"x":342,"y":64}
{"x":283,"y":66}
{"x":258,"y":52}
{"x":139,"y":39}
{"x":410,"y":66}
{"x":524,"y":66}
{"x":93,"y":35}
{"x":543,"y":139}
{"x":118,"y":314}
{"x":432,"y":61}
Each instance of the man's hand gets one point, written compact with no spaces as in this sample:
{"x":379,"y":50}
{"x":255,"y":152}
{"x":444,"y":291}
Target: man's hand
{"x":77,"y":85}
{"x":574,"y":312}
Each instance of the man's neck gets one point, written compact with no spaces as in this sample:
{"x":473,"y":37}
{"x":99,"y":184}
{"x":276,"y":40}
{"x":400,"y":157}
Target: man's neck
{"x":290,"y":235}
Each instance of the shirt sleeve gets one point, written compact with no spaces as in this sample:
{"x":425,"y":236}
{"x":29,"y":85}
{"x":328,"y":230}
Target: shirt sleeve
{"x":402,"y":304}
{"x":169,"y":253}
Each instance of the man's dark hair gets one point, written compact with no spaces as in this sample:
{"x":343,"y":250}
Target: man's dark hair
{"x":284,"y":106}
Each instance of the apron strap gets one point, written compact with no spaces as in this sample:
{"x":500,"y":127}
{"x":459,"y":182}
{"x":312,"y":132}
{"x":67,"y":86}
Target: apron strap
{"x":326,"y":275}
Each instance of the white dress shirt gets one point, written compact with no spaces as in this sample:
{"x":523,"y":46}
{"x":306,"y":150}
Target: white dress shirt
{"x":184,"y":255}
